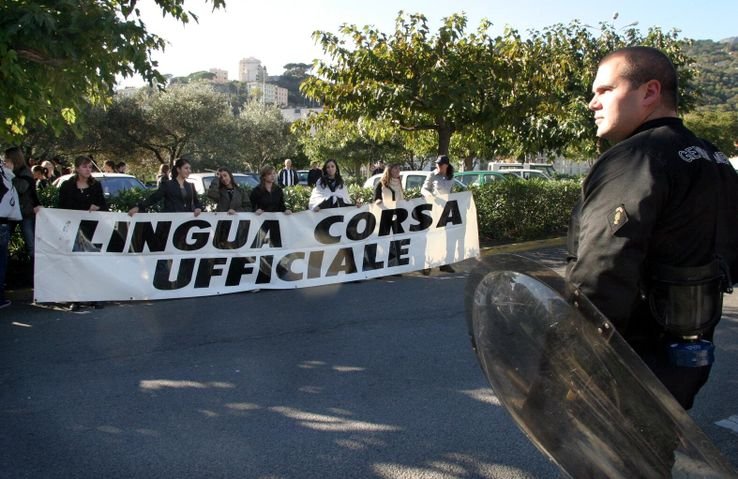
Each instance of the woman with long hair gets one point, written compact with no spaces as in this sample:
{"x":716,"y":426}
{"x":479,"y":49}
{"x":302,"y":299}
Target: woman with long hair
{"x":227,"y":194}
{"x":25,"y":185}
{"x":440,"y":182}
{"x":82,"y":191}
{"x":163,"y":174}
{"x":179,"y":195}
{"x":329,"y":191}
{"x":267,"y":196}
{"x":389,"y":187}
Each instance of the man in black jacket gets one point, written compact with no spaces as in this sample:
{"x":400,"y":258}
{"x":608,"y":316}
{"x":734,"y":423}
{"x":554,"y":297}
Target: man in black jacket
{"x":656,"y":225}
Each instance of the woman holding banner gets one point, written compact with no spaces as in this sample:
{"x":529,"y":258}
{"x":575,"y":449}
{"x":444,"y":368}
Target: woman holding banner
{"x":227,"y":194}
{"x":267,"y":196}
{"x":82,"y":191}
{"x":440,"y":182}
{"x":179,"y":195}
{"x":329,"y":191}
{"x":389,"y":188}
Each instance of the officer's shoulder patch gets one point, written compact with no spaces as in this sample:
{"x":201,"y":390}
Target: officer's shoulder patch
{"x":617,"y":218}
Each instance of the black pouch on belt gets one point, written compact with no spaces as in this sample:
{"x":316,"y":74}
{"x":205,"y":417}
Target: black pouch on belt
{"x":687,"y":301}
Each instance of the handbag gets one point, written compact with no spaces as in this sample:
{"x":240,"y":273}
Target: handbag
{"x":9,"y":202}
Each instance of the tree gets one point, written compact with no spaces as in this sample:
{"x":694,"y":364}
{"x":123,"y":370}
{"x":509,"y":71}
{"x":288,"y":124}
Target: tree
{"x":353,"y":144}
{"x":265,"y":135}
{"x":57,"y":56}
{"x":411,"y":78}
{"x":719,"y":127}
{"x":504,"y":95}
{"x":188,"y":120}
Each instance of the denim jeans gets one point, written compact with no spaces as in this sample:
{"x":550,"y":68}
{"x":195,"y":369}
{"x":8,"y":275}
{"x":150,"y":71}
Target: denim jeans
{"x":4,"y":240}
{"x":28,"y":227}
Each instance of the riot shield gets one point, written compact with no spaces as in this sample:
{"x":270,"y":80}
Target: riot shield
{"x":572,"y":383}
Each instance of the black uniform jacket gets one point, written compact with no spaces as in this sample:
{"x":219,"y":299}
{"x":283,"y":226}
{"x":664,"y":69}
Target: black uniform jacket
{"x":662,"y":196}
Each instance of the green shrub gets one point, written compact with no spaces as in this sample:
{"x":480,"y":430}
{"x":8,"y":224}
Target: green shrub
{"x":524,"y":210}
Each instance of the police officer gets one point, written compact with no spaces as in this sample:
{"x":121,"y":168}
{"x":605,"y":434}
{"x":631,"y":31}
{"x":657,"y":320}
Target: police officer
{"x":654,"y":238}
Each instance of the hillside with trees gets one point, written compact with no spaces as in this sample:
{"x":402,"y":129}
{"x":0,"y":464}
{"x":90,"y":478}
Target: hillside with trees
{"x":717,"y":63}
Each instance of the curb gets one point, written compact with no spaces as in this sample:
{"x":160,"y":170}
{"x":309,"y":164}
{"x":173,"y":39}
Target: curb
{"x":522,"y":247}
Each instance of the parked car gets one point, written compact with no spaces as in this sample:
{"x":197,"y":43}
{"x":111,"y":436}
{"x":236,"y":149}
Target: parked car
{"x":112,"y":183}
{"x":202,"y":180}
{"x":480,"y":177}
{"x":527,"y":174}
{"x":411,"y":179}
{"x":302,"y":176}
{"x":547,"y":168}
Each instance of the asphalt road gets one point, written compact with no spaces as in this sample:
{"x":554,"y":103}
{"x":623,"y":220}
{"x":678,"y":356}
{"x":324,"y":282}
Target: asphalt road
{"x":371,"y":379}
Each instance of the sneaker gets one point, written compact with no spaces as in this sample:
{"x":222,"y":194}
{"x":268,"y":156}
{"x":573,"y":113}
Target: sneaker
{"x":426,"y":271}
{"x":5,"y":303}
{"x":446,"y":268}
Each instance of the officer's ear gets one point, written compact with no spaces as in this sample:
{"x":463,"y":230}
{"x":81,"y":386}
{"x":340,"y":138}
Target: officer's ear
{"x":651,"y":93}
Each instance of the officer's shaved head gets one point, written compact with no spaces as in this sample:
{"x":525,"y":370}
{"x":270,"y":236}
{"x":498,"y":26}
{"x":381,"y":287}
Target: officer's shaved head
{"x":645,"y":63}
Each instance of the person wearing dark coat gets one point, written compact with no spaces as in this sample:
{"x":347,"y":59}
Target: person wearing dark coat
{"x":82,"y":191}
{"x":268,"y":197}
{"x":314,"y":175}
{"x":656,"y":221}
{"x":227,"y":194}
{"x":178,"y":195}
{"x":25,"y":185}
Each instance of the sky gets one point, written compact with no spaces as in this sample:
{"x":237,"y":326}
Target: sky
{"x":279,"y":32}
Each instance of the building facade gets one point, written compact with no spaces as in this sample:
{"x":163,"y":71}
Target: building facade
{"x":251,"y":70}
{"x":221,"y":76}
{"x":267,"y":93}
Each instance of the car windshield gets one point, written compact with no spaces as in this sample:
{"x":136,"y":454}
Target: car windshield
{"x":414,"y":181}
{"x":248,"y":181}
{"x":468,"y":179}
{"x":112,"y":186}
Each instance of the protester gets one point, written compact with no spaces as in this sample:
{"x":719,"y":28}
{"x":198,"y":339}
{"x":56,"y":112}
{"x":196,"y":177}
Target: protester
{"x":50,"y":168}
{"x":39,"y":175}
{"x":4,"y":235}
{"x":439,"y":182}
{"x":657,"y":211}
{"x":163,"y":174}
{"x":314,"y":174}
{"x":227,"y":194}
{"x":109,"y":167}
{"x":81,"y":191}
{"x":267,"y":197}
{"x":287,"y":176}
{"x":389,"y":187}
{"x":329,"y":191}
{"x":387,"y":193}
{"x":25,"y":185}
{"x":178,"y":195}
{"x":378,"y":168}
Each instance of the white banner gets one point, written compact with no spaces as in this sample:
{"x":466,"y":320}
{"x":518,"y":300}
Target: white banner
{"x":84,"y":256}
